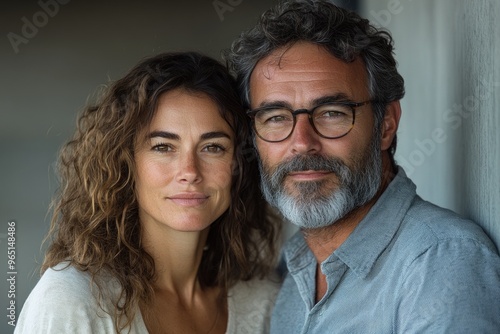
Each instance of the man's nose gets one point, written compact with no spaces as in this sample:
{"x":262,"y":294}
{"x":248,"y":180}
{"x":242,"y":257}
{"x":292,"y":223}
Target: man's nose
{"x":304,"y":138}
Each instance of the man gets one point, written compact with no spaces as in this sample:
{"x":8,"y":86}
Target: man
{"x":371,"y":256}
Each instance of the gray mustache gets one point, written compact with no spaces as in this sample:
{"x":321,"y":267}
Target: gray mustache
{"x":309,"y":162}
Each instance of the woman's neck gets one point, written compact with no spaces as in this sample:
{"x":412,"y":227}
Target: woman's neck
{"x":180,"y":304}
{"x":177,"y":257}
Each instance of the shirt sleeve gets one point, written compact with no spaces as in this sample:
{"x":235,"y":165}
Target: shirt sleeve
{"x":452,"y":287}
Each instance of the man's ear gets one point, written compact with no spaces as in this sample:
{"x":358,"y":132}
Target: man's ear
{"x":390,"y":124}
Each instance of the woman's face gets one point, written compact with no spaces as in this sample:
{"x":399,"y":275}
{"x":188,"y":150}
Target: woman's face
{"x":183,"y":164}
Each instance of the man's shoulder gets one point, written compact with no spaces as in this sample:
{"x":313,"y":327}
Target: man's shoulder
{"x":437,"y":224}
{"x":440,"y":235}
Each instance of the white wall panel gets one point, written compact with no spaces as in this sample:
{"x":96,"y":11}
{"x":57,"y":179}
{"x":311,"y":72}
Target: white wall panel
{"x":449,"y":52}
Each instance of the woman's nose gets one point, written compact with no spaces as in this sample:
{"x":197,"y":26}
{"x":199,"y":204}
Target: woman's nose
{"x":189,"y":170}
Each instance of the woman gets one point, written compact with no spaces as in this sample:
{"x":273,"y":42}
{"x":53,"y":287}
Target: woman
{"x":159,"y":226}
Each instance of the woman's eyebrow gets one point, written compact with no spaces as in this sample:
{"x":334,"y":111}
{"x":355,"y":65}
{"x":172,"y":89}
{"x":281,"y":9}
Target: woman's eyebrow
{"x":214,"y":135}
{"x":164,"y":134}
{"x":173,"y":136}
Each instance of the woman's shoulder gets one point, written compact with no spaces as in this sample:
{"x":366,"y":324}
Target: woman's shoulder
{"x":64,"y":276}
{"x":62,"y":284}
{"x":250,"y":304}
{"x":64,"y":300}
{"x":256,"y":289}
{"x":65,"y":283}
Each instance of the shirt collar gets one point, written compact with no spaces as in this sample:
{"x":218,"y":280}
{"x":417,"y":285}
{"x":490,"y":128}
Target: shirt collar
{"x":369,"y":239}
{"x":374,"y":233}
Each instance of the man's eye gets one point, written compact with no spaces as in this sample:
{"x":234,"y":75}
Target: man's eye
{"x":332,"y":114}
{"x":275,"y":116}
{"x":278,"y":118}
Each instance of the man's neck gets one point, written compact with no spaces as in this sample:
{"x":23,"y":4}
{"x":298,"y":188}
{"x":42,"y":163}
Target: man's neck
{"x":324,"y":241}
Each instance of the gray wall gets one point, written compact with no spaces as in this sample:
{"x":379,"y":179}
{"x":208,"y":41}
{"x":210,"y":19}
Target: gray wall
{"x":449,"y":53}
{"x":47,"y":78}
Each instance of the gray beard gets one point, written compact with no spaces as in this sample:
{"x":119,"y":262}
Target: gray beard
{"x":311,"y":209}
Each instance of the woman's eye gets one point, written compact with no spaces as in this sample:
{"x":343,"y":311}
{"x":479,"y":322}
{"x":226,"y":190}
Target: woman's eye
{"x":162,"y":148}
{"x":214,"y":148}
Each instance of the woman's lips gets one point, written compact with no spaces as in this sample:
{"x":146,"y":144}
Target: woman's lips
{"x":188,"y":199}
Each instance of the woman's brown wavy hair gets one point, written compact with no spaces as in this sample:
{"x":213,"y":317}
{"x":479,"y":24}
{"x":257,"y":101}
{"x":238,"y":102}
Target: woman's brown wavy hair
{"x":95,"y":223}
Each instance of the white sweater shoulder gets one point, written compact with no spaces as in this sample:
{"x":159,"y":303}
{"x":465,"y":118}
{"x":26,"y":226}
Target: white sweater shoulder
{"x":64,"y":301}
{"x":250,"y":304}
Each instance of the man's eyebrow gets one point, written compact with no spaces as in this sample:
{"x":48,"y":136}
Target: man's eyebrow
{"x":274,"y":104}
{"x":173,"y":136}
{"x":340,"y":97}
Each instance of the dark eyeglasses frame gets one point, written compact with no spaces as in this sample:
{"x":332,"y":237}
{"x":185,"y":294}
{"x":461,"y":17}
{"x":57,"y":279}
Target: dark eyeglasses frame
{"x":309,"y":112}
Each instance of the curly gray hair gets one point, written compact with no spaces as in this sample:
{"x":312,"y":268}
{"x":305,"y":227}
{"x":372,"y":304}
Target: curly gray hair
{"x":343,"y":33}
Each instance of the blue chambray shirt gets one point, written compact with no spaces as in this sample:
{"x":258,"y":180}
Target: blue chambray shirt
{"x":408,"y":267}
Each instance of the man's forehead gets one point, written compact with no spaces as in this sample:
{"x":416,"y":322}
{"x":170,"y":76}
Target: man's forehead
{"x":303,"y":72}
{"x":302,"y":61}
{"x":297,"y":53}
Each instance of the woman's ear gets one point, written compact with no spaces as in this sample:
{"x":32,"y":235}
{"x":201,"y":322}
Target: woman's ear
{"x":390,"y":124}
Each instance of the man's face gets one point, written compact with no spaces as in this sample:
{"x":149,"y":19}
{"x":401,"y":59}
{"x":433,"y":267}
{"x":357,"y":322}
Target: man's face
{"x":312,"y":180}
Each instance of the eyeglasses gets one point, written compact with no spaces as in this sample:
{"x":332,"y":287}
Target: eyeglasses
{"x":329,"y":120}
